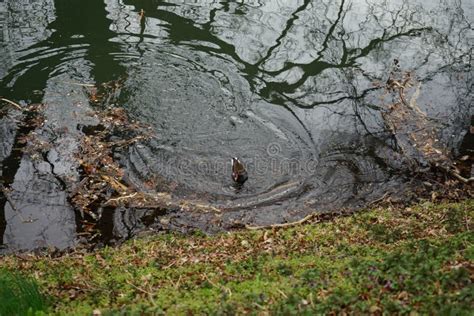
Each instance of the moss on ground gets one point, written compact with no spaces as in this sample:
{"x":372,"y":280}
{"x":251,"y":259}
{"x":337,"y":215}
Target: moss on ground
{"x":411,"y":260}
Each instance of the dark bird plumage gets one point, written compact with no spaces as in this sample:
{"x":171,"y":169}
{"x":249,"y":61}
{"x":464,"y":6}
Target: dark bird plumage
{"x":239,"y":174}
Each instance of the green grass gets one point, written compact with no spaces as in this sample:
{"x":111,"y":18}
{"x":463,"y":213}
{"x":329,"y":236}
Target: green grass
{"x":387,"y":260}
{"x":19,"y":295}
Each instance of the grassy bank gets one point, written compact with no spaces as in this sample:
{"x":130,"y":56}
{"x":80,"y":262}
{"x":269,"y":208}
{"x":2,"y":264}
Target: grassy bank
{"x":418,"y":259}
{"x":19,"y":295}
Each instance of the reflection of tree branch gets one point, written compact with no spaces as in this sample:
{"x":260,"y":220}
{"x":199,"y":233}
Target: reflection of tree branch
{"x":348,"y":97}
{"x":400,"y":19}
{"x":300,"y":122}
{"x":316,"y":67}
{"x":212,"y":15}
{"x":289,"y":25}
{"x":331,"y":31}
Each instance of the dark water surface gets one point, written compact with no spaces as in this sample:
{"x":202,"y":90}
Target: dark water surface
{"x":290,"y":87}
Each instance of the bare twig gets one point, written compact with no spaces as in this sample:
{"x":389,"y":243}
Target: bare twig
{"x":138,"y":288}
{"x":81,"y":84}
{"x":282,"y":293}
{"x":379,"y":199}
{"x":12,"y":103}
{"x":176,"y":285}
{"x":457,"y":175}
{"x":116,"y":200}
{"x":221,"y":287}
{"x":114,"y":183}
{"x":283,"y":225}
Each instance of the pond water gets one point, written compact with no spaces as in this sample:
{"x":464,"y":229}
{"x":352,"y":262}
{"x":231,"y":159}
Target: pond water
{"x":292,"y":88}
